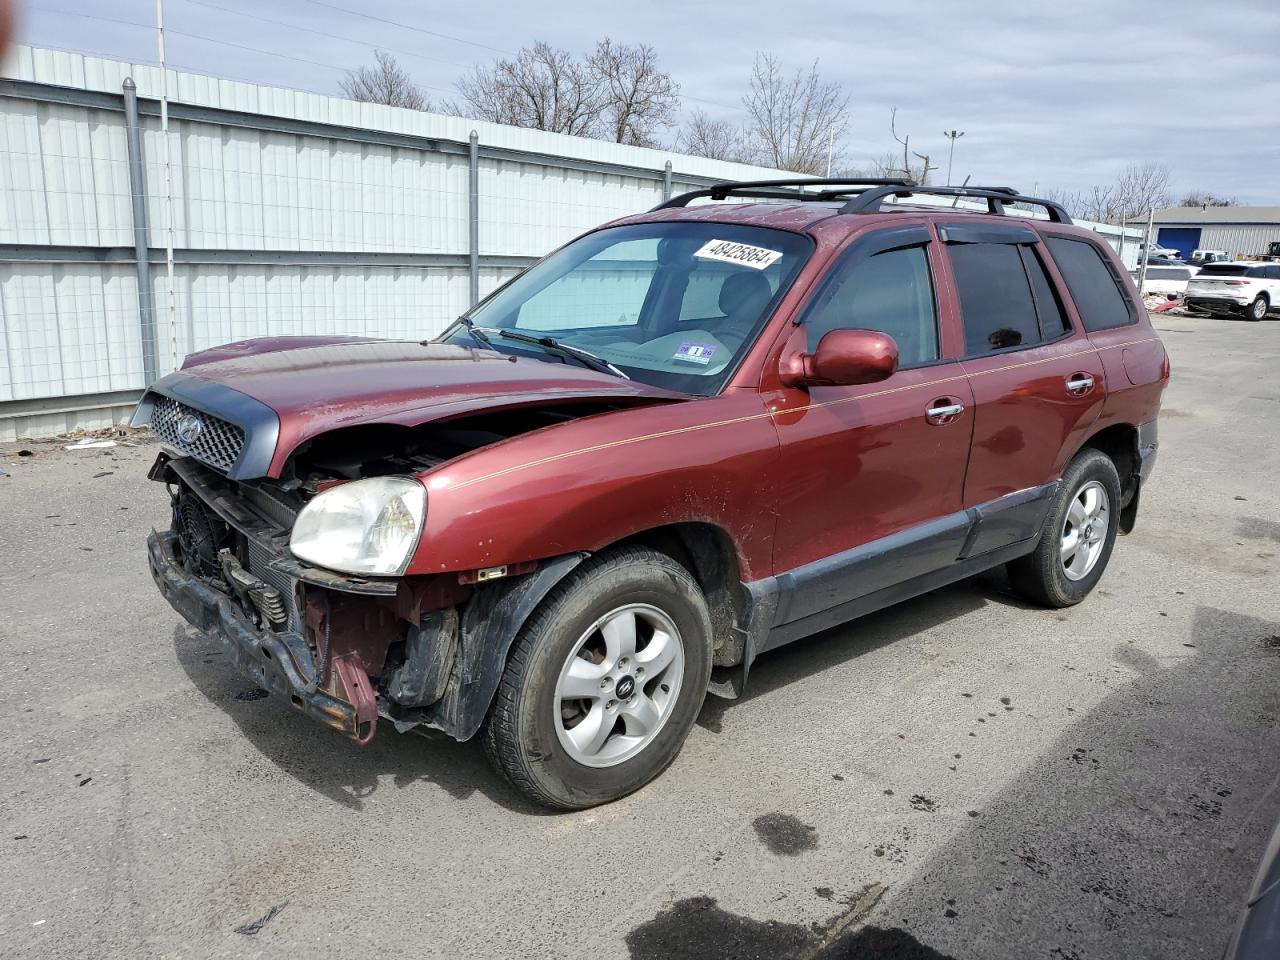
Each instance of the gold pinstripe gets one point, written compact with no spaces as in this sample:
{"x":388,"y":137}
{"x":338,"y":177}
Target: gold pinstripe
{"x":790,"y":410}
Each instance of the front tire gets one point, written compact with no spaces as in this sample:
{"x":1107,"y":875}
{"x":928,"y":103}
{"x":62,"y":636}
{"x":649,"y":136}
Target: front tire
{"x":1078,"y":535}
{"x":604,"y":681}
{"x":1258,"y":309}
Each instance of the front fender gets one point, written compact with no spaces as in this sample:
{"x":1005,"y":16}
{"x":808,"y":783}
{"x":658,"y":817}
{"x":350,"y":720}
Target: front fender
{"x":582,"y":486}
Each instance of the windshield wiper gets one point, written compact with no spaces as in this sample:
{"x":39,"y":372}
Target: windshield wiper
{"x":476,"y":333}
{"x":585,"y":357}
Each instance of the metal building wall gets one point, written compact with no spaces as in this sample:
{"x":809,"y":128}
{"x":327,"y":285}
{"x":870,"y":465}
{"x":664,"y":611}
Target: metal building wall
{"x":293,"y":213}
{"x":1239,"y":240}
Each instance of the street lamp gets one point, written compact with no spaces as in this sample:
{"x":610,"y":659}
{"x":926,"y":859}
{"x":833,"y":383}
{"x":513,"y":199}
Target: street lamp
{"x":953,"y":136}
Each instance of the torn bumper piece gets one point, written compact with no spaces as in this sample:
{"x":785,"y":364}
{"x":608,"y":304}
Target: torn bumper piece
{"x":281,"y":663}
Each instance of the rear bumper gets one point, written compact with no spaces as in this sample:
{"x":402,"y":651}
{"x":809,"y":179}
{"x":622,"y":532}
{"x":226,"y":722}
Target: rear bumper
{"x":1199,"y":300}
{"x":1148,"y":447}
{"x":280,"y":663}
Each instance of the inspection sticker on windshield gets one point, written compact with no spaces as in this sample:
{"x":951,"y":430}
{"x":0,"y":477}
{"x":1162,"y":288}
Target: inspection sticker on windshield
{"x":740,"y":253}
{"x":696,"y":352}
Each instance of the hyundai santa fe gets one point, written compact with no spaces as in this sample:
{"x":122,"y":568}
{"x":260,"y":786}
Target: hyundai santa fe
{"x":683,"y":439}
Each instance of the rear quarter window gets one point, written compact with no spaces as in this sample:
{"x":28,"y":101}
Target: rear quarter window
{"x":1096,"y":290}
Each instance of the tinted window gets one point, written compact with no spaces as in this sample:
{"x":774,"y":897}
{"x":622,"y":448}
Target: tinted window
{"x":995,"y":297}
{"x":891,"y":292}
{"x":1053,"y":321}
{"x":1093,"y":286}
{"x":1258,"y":272}
{"x":1168,"y":273}
{"x":1224,"y":270}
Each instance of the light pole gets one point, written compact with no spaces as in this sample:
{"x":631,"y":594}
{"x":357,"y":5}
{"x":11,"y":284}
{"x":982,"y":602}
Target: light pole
{"x":953,"y":136}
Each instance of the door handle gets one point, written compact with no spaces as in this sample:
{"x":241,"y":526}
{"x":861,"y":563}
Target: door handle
{"x":1078,"y":384}
{"x":944,"y":410}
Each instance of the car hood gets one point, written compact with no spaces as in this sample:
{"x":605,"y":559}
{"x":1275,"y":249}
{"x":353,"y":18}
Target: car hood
{"x":314,"y":385}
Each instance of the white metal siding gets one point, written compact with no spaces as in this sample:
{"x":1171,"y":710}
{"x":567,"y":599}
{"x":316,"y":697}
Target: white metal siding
{"x":1239,"y":240}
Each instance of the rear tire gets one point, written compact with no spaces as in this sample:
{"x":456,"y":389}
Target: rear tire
{"x":1078,"y":535}
{"x":616,"y":614}
{"x":1257,"y":310}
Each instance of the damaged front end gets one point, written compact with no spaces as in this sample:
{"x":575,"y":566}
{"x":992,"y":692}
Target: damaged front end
{"x":420,"y":651}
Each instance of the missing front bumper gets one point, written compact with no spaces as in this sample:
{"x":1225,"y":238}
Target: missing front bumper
{"x":280,"y":663}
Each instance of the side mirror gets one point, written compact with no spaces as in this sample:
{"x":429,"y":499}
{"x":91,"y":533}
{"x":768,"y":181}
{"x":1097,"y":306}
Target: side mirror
{"x":843,"y":358}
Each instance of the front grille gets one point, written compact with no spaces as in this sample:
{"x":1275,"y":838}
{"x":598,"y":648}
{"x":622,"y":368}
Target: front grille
{"x":209,"y":439}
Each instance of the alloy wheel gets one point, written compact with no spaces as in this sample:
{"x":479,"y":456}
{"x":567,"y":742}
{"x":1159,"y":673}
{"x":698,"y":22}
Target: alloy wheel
{"x":1084,"y":531}
{"x":619,"y":685}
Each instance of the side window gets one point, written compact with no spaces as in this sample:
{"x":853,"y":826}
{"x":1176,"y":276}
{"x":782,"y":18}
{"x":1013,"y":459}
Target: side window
{"x":891,"y":292}
{"x":1098,"y":296}
{"x":995,"y":297}
{"x":1053,"y":320}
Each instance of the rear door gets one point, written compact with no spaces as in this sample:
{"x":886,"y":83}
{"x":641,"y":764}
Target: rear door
{"x":1037,"y":381}
{"x":1102,"y":299}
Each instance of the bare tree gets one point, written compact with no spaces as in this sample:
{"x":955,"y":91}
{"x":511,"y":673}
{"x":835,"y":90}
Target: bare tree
{"x":702,"y":136}
{"x":542,"y":88}
{"x":1203,"y":198}
{"x":794,"y":119}
{"x":919,"y":172}
{"x":1139,"y":188}
{"x":385,"y":82}
{"x":1097,"y":203}
{"x":638,"y":97}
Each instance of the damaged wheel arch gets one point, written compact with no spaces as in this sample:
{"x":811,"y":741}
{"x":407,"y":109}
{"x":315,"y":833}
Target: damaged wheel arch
{"x":486,"y":630}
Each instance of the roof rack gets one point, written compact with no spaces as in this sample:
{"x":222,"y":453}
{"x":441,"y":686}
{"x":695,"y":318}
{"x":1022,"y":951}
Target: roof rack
{"x":869,"y":201}
{"x":769,"y":189}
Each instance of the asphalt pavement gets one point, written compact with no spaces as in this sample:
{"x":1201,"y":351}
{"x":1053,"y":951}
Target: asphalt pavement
{"x":962,"y":776}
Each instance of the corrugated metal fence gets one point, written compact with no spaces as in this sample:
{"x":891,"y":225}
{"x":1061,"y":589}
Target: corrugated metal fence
{"x":292,"y":213}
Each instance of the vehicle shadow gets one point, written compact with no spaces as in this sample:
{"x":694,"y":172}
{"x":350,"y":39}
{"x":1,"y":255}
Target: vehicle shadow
{"x":347,"y":773}
{"x":327,"y":762}
{"x":806,"y":657}
{"x":1137,"y":831}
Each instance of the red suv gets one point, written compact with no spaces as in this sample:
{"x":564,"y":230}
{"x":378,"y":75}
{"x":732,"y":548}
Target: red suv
{"x":683,"y":439}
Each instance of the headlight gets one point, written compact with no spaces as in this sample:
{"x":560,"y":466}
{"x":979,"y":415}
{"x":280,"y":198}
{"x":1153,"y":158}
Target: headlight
{"x":365,"y":526}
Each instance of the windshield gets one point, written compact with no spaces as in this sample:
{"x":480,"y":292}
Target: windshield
{"x":675,"y":305}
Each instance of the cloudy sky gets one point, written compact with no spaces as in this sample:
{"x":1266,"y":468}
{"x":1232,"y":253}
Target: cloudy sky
{"x":1049,"y":95}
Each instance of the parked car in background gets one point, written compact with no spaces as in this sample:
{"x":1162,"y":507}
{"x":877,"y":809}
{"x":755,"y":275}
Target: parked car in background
{"x":1249,"y":289}
{"x":685,"y":438}
{"x":1169,"y":281}
{"x":1201,"y":257}
{"x":1156,"y":250}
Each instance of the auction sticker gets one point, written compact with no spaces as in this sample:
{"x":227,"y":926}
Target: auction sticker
{"x":696,"y":352}
{"x":743,"y":254}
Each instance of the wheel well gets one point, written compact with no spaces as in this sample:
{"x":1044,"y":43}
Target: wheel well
{"x":1120,"y":443}
{"x":707,"y":552}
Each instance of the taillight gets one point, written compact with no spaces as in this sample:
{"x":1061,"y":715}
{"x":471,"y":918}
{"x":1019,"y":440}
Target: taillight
{"x":1235,"y":283}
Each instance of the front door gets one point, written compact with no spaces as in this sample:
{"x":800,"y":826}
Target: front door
{"x":871,"y":475}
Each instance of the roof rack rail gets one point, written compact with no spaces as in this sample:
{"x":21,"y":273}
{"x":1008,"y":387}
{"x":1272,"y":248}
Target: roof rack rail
{"x":868,"y":201}
{"x":769,"y":189}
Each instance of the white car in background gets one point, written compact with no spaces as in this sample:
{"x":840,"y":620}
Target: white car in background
{"x":1201,"y":257}
{"x":1249,"y":288}
{"x":1170,"y":282}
